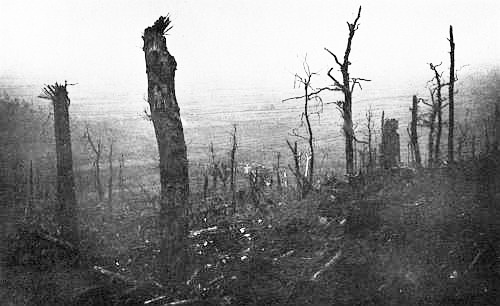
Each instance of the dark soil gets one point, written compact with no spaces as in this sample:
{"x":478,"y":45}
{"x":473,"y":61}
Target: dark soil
{"x":431,"y":239}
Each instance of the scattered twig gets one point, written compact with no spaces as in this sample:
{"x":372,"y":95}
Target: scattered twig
{"x":474,"y":261}
{"x":332,"y":261}
{"x":114,"y":275}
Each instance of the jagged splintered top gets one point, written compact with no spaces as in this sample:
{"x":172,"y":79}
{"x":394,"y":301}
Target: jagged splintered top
{"x":52,"y":92}
{"x":154,"y":36}
{"x":160,"y":27}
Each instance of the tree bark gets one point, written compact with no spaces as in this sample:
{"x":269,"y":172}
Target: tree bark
{"x":413,"y":132}
{"x":234,"y":146}
{"x":277,"y":170}
{"x":310,"y":138}
{"x":66,"y":212}
{"x":110,"y":178}
{"x":296,"y":171}
{"x":369,"y":125}
{"x":165,"y":115}
{"x":347,"y":87}
{"x":97,"y":163}
{"x":451,"y":103}
{"x":439,"y":113}
{"x":496,"y":120}
{"x":432,"y":120}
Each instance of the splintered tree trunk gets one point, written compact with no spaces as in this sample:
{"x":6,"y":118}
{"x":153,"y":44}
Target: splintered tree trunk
{"x":496,"y":120}
{"x":348,"y":125}
{"x":110,"y":179}
{"x":413,"y":132}
{"x":277,"y":169}
{"x":100,"y":191}
{"x":66,"y":199}
{"x":233,"y":167}
{"x":430,"y":142}
{"x":451,"y":105}
{"x":160,"y":69}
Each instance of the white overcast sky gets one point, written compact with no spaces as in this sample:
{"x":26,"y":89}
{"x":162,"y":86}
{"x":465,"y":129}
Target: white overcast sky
{"x":240,"y":43}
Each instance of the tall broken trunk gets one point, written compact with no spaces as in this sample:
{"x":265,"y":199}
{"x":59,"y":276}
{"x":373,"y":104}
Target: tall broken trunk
{"x":451,"y":102}
{"x":234,"y":146}
{"x":347,"y":88}
{"x":432,"y":120}
{"x":390,"y":145}
{"x":160,"y":69}
{"x":66,"y":212}
{"x":496,"y":120}
{"x":413,"y":132}
{"x":110,"y":178}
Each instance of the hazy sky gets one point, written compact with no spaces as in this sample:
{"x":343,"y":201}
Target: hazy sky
{"x":236,"y":43}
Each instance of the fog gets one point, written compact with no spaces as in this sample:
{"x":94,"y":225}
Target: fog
{"x":257,"y":45}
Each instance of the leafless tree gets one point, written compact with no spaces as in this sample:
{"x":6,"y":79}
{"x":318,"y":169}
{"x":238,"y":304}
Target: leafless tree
{"x":451,"y":100}
{"x":234,"y":146}
{"x":96,"y":146}
{"x":435,"y":85}
{"x":347,"y":87}
{"x":369,"y":131}
{"x":428,"y":119}
{"x":110,"y":177}
{"x":439,"y":109}
{"x":214,"y":166}
{"x":461,"y":139}
{"x":277,"y":171}
{"x":66,"y":199}
{"x":311,"y":94}
{"x":121,"y":178}
{"x":415,"y":149}
{"x":296,"y":170}
{"x":160,"y":69}
{"x":496,"y":121}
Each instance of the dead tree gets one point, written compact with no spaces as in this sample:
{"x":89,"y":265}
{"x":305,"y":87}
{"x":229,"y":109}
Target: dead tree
{"x":121,"y":179}
{"x":438,"y":106}
{"x":97,"y":149}
{"x":28,"y":212}
{"x":462,"y":139}
{"x":473,"y":145}
{"x":369,"y":129}
{"x":234,"y":146}
{"x":390,"y":155}
{"x":347,"y":88}
{"x":496,"y":120}
{"x":214,"y":166}
{"x":299,"y":177}
{"x":66,"y":212}
{"x":428,"y":119}
{"x":277,"y":171}
{"x":165,"y":115}
{"x":110,"y":178}
{"x":451,"y":103}
{"x":311,"y":94}
{"x":415,"y":149}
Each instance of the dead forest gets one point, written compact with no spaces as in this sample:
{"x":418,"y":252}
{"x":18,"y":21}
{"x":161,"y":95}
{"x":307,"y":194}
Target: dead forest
{"x":408,"y":214}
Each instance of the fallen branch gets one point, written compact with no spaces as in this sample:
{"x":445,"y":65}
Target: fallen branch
{"x":325,"y":267}
{"x":183,"y":302}
{"x":114,"y":276}
{"x":156,"y":299}
{"x":60,"y":242}
{"x":195,"y":233}
{"x":474,"y":261}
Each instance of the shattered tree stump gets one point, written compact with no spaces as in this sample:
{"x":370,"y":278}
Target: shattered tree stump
{"x":165,"y":115}
{"x":390,"y":153}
